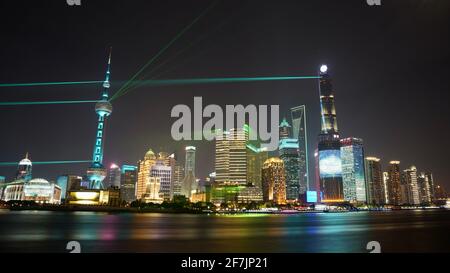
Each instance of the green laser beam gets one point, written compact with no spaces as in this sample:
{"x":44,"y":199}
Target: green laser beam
{"x":18,"y":103}
{"x":152,"y":60}
{"x":48,"y":162}
{"x":46,"y":83}
{"x":222,"y":80}
{"x":131,"y":87}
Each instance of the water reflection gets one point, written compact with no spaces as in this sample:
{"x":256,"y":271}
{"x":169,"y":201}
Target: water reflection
{"x":410,"y":231}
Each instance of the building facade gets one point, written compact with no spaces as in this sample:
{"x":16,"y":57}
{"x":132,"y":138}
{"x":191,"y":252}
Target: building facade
{"x":255,"y":160}
{"x":274,"y":181}
{"x":114,"y":173}
{"x":426,"y":187}
{"x":231,"y":156}
{"x":353,"y":173}
{"x":144,"y":169}
{"x":38,"y":190}
{"x":165,"y":174}
{"x":298,"y":115}
{"x":411,"y":194}
{"x":394,"y":183}
{"x":128,"y":180}
{"x":374,"y":182}
{"x":329,"y":146}
{"x":288,"y":153}
{"x":152,"y":192}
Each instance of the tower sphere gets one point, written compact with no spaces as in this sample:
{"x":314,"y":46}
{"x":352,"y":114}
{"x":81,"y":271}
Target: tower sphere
{"x":103,"y":108}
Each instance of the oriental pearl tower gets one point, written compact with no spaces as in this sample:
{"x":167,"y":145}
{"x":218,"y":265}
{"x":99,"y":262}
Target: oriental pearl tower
{"x":96,"y":173}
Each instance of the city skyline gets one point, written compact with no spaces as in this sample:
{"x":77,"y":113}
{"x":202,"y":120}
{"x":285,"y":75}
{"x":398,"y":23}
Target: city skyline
{"x":43,"y":147}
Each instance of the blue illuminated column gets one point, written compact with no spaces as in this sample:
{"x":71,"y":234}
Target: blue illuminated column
{"x":96,"y":172}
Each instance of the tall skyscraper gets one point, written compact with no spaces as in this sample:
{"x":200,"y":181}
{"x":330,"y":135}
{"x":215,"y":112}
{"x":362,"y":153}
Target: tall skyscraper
{"x":189,"y":184}
{"x":317,"y":186}
{"x":426,"y":187}
{"x":329,"y":145}
{"x":113,"y":177}
{"x":412,"y":191}
{"x":190,"y":160}
{"x":285,"y":129}
{"x":374,"y":182}
{"x":222,"y":156}
{"x":24,"y":169}
{"x":128,"y":181}
{"x":353,"y":173}
{"x":394,"y":183}
{"x":386,"y":186}
{"x":159,"y":169}
{"x":97,"y":173}
{"x":298,"y":115}
{"x":255,"y":160}
{"x":144,"y":168}
{"x":231,"y":156}
{"x":238,"y":155}
{"x":288,"y":152}
{"x":274,"y":181}
{"x":177,"y":175}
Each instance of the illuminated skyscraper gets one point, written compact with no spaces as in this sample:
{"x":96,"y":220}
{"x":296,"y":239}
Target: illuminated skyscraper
{"x":152,"y":190}
{"x":386,"y":186}
{"x":285,"y":129}
{"x":222,"y":156}
{"x":374,"y":182}
{"x":255,"y":160}
{"x":24,"y":169}
{"x":190,"y":160}
{"x":113,"y":177}
{"x":329,"y":145}
{"x":394,"y":180}
{"x":412,"y":191}
{"x":426,"y":187}
{"x":231,"y":156}
{"x":97,"y":173}
{"x":164,"y":173}
{"x":238,"y":155}
{"x":353,"y":174}
{"x":298,"y":115}
{"x":317,"y":185}
{"x":128,"y":181}
{"x":189,"y":184}
{"x":177,"y":175}
{"x":274,"y":181}
{"x":288,"y":151}
{"x":144,"y":168}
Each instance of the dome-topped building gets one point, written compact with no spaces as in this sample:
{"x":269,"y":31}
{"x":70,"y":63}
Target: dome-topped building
{"x":38,"y":190}
{"x":24,"y":169}
{"x":150,"y":155}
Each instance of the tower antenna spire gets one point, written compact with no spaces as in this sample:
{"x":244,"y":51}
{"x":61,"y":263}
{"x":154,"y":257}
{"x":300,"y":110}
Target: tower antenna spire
{"x":96,"y":172}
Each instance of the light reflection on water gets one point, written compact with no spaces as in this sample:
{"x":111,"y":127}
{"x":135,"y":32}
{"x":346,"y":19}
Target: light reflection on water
{"x":153,"y":232}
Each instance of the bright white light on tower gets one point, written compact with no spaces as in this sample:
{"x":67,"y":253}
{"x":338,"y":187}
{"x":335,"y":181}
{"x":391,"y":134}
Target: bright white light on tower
{"x":323,"y":68}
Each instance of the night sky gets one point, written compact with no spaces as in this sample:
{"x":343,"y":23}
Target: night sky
{"x":389,"y":64}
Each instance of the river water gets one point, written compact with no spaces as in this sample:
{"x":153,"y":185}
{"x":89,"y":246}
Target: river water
{"x":396,"y":231}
